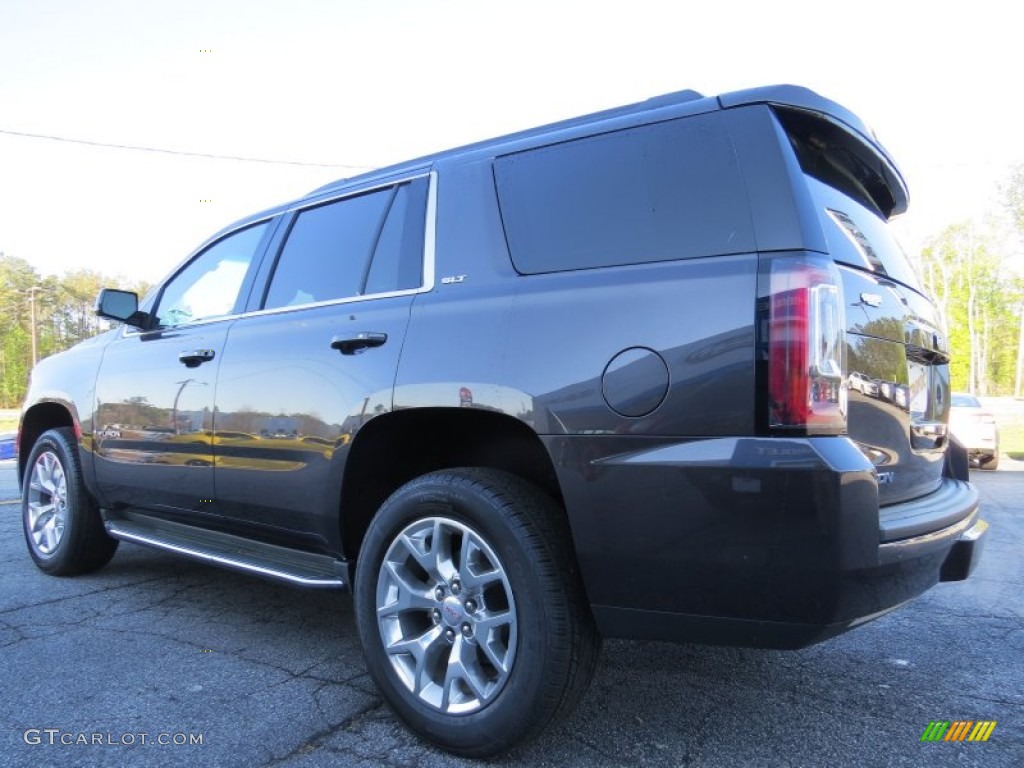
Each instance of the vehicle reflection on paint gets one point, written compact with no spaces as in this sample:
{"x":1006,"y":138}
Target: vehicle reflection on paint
{"x":863,"y":383}
{"x":277,"y":449}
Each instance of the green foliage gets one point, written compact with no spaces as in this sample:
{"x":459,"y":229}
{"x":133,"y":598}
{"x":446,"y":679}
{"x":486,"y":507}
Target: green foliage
{"x":965,"y":270}
{"x":63,"y":308}
{"x":14,"y":365}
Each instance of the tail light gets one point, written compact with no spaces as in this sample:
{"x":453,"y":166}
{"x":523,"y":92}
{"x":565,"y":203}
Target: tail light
{"x":803,"y":328}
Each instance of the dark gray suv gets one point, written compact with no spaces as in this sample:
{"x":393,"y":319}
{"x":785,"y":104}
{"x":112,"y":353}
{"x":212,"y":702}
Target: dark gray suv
{"x":657,"y":372}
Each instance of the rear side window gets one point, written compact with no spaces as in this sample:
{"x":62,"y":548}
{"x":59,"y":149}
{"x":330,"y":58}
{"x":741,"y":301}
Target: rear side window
{"x":658,"y":192}
{"x":369,"y":243}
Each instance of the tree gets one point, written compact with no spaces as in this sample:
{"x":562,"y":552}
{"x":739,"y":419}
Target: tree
{"x":978,"y":298}
{"x":1013,"y":198}
{"x":17,"y":276}
{"x":63,"y":310}
{"x":13,"y":366}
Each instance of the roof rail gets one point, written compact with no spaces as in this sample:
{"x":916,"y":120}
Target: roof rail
{"x":655,"y":102}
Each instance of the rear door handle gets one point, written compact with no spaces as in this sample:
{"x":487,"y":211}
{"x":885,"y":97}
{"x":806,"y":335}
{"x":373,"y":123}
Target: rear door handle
{"x":195,"y":357}
{"x":349,"y":345}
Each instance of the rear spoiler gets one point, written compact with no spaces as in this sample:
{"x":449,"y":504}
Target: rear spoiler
{"x":816,"y":120}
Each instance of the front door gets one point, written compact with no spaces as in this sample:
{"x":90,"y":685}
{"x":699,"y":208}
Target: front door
{"x":155,"y":389}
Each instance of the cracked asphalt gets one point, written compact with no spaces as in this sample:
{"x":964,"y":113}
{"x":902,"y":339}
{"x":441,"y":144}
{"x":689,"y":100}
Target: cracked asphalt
{"x":272,"y":676}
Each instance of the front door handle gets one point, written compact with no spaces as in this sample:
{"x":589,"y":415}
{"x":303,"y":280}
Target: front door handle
{"x":193,"y":358}
{"x":349,"y":345}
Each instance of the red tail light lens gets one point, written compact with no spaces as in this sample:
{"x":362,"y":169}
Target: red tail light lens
{"x":805,"y":328}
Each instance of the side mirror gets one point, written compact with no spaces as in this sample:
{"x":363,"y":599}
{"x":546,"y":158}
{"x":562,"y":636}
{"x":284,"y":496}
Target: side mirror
{"x":122,"y":306}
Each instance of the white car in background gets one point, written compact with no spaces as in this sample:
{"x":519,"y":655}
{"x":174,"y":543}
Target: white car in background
{"x":863,"y":384}
{"x":975,"y":427}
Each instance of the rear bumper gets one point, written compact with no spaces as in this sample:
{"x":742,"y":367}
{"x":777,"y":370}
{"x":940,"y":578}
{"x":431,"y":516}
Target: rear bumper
{"x":943,"y":513}
{"x":966,"y":552}
{"x":762,"y":542}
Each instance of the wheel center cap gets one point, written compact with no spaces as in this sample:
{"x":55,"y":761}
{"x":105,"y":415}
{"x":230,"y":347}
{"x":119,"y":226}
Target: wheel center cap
{"x":452,"y":611}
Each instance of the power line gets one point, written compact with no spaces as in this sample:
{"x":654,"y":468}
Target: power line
{"x":135,"y":148}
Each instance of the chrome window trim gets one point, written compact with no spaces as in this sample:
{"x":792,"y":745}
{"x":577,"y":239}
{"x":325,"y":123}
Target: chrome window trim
{"x":305,"y":203}
{"x":429,"y":256}
{"x":212,"y":241}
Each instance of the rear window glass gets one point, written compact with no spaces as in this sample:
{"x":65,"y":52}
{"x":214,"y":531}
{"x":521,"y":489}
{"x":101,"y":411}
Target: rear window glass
{"x":851,"y":187}
{"x":859,"y":237}
{"x":658,"y":192}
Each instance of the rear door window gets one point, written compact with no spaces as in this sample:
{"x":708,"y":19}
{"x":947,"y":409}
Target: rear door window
{"x":398,"y":258}
{"x":658,"y":192}
{"x":365,"y":244}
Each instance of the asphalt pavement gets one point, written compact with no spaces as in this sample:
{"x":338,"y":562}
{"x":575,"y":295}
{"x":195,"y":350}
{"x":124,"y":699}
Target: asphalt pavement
{"x":8,"y":480}
{"x":156,"y":649}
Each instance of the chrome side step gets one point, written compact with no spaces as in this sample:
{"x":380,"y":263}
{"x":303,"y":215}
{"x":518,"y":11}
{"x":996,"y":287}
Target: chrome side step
{"x":267,"y":560}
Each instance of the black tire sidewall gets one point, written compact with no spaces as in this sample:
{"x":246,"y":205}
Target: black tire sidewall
{"x":61,"y":559}
{"x":513,"y":711}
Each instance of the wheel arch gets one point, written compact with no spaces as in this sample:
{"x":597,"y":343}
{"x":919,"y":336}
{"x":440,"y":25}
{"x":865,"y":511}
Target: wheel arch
{"x":394,"y":448}
{"x":38,"y":419}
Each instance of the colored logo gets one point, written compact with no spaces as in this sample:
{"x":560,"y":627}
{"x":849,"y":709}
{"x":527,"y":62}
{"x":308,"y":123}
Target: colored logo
{"x":958,"y":730}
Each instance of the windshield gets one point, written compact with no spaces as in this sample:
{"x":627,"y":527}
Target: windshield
{"x":965,"y":401}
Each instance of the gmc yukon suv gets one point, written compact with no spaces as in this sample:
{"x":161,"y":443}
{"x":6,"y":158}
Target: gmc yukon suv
{"x":588,"y":380}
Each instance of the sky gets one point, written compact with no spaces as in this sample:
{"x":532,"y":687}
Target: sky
{"x":349,"y":85}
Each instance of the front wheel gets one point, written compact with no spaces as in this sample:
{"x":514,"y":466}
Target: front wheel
{"x":471,"y":611}
{"x":63,"y":529}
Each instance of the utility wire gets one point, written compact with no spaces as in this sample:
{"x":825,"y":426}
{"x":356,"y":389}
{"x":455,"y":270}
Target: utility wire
{"x":181,"y":152}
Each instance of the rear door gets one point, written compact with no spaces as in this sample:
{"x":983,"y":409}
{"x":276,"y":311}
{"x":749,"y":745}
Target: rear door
{"x":316,"y":358}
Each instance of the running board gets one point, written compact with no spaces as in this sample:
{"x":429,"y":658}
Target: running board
{"x":270,"y":561}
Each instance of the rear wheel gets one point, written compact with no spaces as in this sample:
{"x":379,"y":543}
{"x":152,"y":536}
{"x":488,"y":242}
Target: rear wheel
{"x":471,"y":612}
{"x":989,"y":462}
{"x":63,"y":529}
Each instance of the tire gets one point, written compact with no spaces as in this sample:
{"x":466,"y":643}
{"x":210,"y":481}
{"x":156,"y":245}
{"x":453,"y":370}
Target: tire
{"x":451,"y":556}
{"x":989,"y":462}
{"x":62,"y":524}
